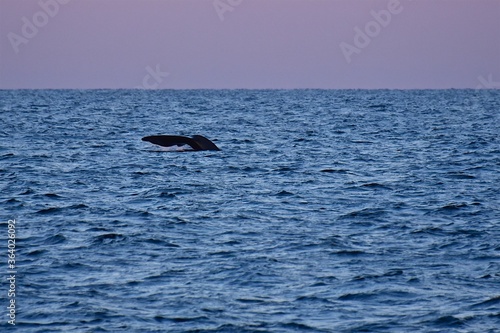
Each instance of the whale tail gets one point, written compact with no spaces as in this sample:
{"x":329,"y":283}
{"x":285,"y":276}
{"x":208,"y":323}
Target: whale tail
{"x":197,"y":142}
{"x":204,"y":143}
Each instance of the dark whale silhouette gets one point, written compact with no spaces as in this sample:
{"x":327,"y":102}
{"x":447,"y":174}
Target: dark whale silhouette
{"x":197,"y":142}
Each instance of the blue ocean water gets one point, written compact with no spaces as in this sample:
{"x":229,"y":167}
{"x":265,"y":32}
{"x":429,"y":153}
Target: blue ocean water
{"x":324,"y":211}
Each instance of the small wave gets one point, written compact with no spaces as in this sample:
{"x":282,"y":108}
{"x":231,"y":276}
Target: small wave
{"x":390,"y":273}
{"x":457,"y":206}
{"x":36,"y":106}
{"x":375,"y":185}
{"x":53,"y":210}
{"x":489,"y":302}
{"x":77,"y":206}
{"x":469,"y":232}
{"x":459,"y":175}
{"x":251,"y":300}
{"x":284,"y":169}
{"x":28,"y":191}
{"x":449,"y":321}
{"x":75,"y":266}
{"x":50,"y":210}
{"x":161,"y":242}
{"x":373,"y":327}
{"x":361,"y":141}
{"x":138,"y":213}
{"x":453,"y":206}
{"x":313,"y":299}
{"x":364,"y":213}
{"x":223,"y":254}
{"x":168,"y":195}
{"x":161,"y":319}
{"x":108,"y":238}
{"x":4,"y":156}
{"x":380,"y":107}
{"x":357,"y":296}
{"x":342,"y":171}
{"x":52,"y":195}
{"x":284,"y":193}
{"x":429,"y":230}
{"x":299,"y":327}
{"x":55,"y":239}
{"x":36,"y":253}
{"x":349,"y":253}
{"x":12,"y":201}
{"x":230,"y":328}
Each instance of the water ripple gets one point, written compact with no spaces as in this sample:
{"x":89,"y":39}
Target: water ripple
{"x":325,"y":211}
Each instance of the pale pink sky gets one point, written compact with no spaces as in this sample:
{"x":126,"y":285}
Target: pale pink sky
{"x":253,"y":44}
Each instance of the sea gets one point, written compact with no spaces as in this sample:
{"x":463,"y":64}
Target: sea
{"x":324,"y":211}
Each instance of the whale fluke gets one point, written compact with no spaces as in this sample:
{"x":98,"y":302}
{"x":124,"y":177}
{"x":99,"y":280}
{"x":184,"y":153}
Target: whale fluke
{"x":197,"y":142}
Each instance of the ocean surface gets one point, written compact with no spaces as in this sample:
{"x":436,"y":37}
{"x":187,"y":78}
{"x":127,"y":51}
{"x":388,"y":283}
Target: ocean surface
{"x":324,"y":211}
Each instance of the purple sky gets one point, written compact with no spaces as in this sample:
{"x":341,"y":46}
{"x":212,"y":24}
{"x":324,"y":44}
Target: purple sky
{"x":249,"y":44}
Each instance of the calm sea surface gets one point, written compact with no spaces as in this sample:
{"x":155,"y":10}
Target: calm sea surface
{"x":324,"y":211}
